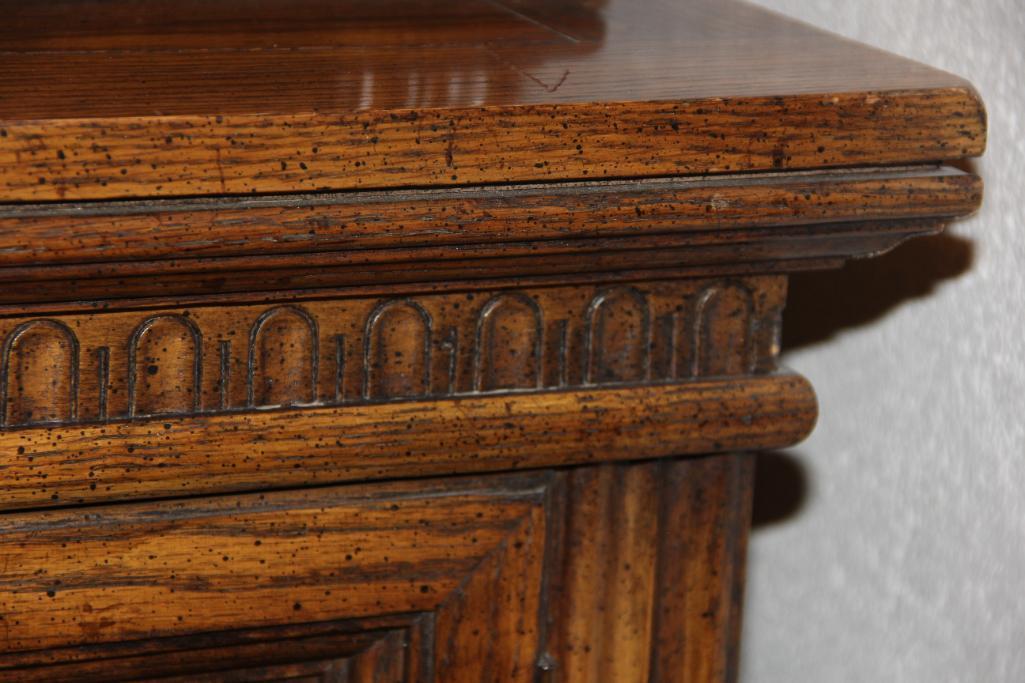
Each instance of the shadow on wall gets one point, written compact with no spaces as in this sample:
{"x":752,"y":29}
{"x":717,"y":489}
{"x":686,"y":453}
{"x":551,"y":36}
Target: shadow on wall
{"x":821,"y":305}
{"x":781,"y":488}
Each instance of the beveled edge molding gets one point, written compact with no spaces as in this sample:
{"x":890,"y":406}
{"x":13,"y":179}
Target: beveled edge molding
{"x":177,"y":659}
{"x":779,"y":249}
{"x":35,"y":235}
{"x":681,"y":524}
{"x":770,"y":222}
{"x":277,"y":448}
{"x":363,"y":557}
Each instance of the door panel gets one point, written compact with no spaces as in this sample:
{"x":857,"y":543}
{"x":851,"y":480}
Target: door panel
{"x":621,"y":573}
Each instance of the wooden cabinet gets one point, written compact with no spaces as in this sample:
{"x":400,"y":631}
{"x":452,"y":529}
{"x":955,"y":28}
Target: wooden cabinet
{"x":419,"y":342}
{"x":600,"y":569}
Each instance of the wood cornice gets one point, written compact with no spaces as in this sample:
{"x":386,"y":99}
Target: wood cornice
{"x":46,"y":234}
{"x":172,"y":248}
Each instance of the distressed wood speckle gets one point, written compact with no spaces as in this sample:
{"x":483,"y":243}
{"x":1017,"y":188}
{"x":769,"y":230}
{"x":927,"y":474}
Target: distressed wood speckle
{"x":419,"y":342}
{"x":98,"y":367}
{"x":355,"y":96}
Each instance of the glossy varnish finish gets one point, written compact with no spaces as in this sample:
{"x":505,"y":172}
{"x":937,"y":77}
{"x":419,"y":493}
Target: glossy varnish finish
{"x":416,"y":341}
{"x":189,"y":98}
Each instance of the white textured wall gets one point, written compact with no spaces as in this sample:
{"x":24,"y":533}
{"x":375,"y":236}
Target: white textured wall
{"x":906,"y":561}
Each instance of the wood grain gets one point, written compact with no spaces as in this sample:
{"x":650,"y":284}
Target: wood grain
{"x":407,"y":341}
{"x":201,"y":360}
{"x":351,"y":95}
{"x":44,"y":234}
{"x":648,"y":574}
{"x":599,"y":574}
{"x":136,"y":301}
{"x":764,"y":250}
{"x":496,"y":145}
{"x":167,"y":569}
{"x":240,"y":654}
{"x":697,"y":624}
{"x":121,"y":461}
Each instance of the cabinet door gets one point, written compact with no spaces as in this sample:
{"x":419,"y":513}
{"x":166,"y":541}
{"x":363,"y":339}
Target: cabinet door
{"x":603,"y":573}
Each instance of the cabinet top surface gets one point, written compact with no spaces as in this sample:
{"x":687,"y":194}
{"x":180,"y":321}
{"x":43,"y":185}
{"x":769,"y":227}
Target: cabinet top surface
{"x":131,"y":75}
{"x":112,"y":58}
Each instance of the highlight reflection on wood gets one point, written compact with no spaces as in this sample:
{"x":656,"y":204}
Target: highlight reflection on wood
{"x":350,"y":94}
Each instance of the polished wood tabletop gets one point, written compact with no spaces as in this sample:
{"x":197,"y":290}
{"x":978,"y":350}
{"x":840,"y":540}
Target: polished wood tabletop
{"x":124,"y":98}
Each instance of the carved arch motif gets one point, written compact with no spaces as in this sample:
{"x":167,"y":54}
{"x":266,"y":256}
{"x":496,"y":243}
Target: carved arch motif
{"x":397,"y":351}
{"x":165,"y":375}
{"x":284,"y":357}
{"x":618,"y":337}
{"x":39,"y":381}
{"x":508,"y":351}
{"x":724,"y":331}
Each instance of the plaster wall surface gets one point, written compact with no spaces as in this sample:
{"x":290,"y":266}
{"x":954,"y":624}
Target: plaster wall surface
{"x":905,"y":560}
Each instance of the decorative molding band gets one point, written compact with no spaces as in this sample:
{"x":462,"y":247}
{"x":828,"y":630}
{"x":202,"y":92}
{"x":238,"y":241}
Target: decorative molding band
{"x":408,"y":240}
{"x":136,"y":232}
{"x":103,"y":367}
{"x":484,"y":432}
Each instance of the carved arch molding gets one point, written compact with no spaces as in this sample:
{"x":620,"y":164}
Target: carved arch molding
{"x":99,"y":367}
